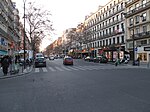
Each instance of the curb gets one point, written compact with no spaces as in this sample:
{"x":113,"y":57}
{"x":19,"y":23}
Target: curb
{"x":19,"y":74}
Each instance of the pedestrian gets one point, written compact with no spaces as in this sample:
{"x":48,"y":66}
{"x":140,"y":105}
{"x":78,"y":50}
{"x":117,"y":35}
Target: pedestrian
{"x":5,"y":65}
{"x":138,"y":61}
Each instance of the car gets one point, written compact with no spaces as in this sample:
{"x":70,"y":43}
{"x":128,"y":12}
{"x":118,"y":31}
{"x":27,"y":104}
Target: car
{"x":40,"y":62}
{"x":88,"y":58}
{"x":68,"y":61}
{"x":97,"y":59}
{"x":51,"y":58}
{"x":103,"y":59}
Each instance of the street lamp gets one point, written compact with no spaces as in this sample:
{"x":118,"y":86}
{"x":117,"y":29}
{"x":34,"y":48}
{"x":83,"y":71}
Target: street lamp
{"x":24,"y":1}
{"x":133,"y":40}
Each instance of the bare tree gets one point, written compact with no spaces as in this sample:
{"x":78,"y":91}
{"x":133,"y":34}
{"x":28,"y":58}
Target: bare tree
{"x":39,"y":25}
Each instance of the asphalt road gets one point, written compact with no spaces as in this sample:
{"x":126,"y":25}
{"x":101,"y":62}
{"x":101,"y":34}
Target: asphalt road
{"x":84,"y":87}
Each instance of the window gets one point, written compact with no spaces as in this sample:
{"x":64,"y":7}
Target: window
{"x":144,"y":3}
{"x":106,"y":31}
{"x":109,"y":30}
{"x":117,"y":27}
{"x":143,"y":42}
{"x":121,"y":5}
{"x":137,"y":30}
{"x":117,"y":40}
{"x":137,"y":19}
{"x":113,"y":19}
{"x":122,"y":39}
{"x":136,"y":6}
{"x":110,"y":5}
{"x":110,"y":41}
{"x":113,"y":28}
{"x":109,"y":12}
{"x":103,"y":24}
{"x":131,"y":21}
{"x":114,"y":2}
{"x":109,"y":21}
{"x":106,"y":42}
{"x":113,"y":40}
{"x":117,"y":17}
{"x":122,"y":26}
{"x":117,"y":7}
{"x":103,"y":42}
{"x":103,"y":33}
{"x":143,"y":17}
{"x":113,"y":10}
{"x":106,"y":14}
{"x":107,"y":7}
{"x":106,"y":23}
{"x":98,"y":43}
{"x":144,"y":28}
{"x":122,"y":15}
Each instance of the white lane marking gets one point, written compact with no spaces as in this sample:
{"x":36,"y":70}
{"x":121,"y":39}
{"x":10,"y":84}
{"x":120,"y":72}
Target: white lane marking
{"x":37,"y":70}
{"x":65,"y":68}
{"x":72,"y":68}
{"x":59,"y":68}
{"x":44,"y":69}
{"x":52,"y":69}
{"x":79,"y":68}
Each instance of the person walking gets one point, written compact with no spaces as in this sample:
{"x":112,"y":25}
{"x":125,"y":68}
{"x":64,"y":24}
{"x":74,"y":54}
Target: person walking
{"x":5,"y":65}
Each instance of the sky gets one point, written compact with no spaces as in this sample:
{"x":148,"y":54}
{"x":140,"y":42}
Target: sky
{"x":65,"y":13}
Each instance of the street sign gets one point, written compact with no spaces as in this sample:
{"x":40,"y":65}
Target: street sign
{"x":136,"y":49}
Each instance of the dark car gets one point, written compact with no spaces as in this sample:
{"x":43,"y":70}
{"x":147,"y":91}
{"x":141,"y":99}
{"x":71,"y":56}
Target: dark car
{"x":103,"y":59}
{"x":97,"y":59}
{"x":68,"y":61}
{"x":40,"y":62}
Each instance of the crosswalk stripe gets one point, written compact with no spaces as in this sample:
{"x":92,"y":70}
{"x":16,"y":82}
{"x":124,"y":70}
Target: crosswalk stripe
{"x":72,"y":68}
{"x":87,"y":68}
{"x":59,"y":68}
{"x":44,"y":69}
{"x":65,"y":68}
{"x":52,"y":69}
{"x":79,"y":68}
{"x":37,"y":70}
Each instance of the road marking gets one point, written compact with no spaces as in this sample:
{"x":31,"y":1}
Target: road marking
{"x":37,"y":70}
{"x":65,"y":68}
{"x":44,"y":69}
{"x":53,"y":70}
{"x":59,"y":68}
{"x":72,"y":68}
{"x":79,"y":68}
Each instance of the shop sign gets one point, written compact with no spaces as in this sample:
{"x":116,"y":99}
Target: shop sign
{"x":146,"y":48}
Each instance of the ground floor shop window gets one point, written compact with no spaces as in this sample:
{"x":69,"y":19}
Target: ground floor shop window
{"x":142,"y":56}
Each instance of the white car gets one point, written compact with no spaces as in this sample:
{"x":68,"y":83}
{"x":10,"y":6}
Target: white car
{"x":51,"y":58}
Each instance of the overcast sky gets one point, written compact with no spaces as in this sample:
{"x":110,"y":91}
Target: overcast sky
{"x":65,"y":13}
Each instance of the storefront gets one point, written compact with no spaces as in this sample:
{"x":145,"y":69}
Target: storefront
{"x":112,"y":53}
{"x":143,"y":53}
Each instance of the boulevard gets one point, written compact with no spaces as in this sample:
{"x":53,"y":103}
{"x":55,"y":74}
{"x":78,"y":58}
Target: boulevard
{"x":83,"y":87}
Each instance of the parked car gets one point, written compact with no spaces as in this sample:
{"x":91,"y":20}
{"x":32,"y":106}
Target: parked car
{"x":103,"y":59}
{"x":97,"y":59}
{"x":40,"y":62}
{"x":88,"y":58}
{"x":68,"y":60}
{"x":100,"y":59}
{"x":51,"y":58}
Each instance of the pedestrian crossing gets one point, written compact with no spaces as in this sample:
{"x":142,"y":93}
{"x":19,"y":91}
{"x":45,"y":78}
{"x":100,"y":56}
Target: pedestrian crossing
{"x":75,"y":68}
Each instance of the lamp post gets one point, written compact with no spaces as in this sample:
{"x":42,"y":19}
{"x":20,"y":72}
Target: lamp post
{"x":133,"y":41}
{"x":133,"y":45}
{"x":24,"y":1}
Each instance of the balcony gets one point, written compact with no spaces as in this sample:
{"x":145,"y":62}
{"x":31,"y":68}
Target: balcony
{"x":140,"y":36}
{"x":130,"y":2}
{"x":138,"y":9}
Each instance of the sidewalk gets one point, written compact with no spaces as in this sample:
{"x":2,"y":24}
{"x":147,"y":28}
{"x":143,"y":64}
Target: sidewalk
{"x":22,"y":71}
{"x":130,"y":65}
